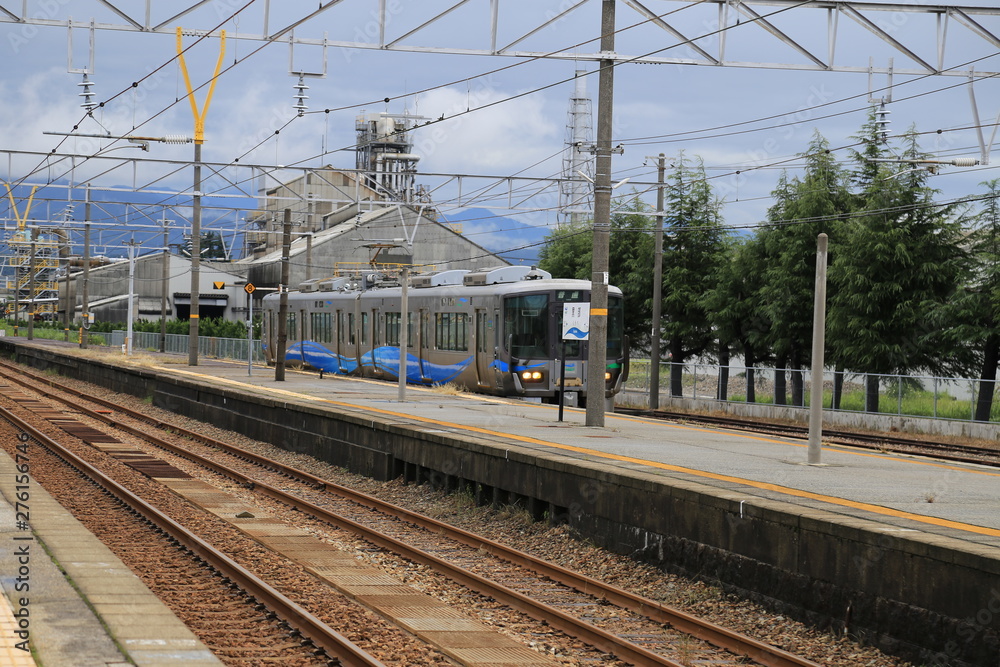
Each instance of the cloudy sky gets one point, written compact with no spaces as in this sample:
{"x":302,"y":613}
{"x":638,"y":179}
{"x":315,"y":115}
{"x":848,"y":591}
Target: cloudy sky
{"x":509,"y":122}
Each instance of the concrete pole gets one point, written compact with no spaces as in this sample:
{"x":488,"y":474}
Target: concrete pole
{"x":129,"y":317}
{"x":165,"y":280}
{"x":654,"y":348}
{"x":819,"y":330}
{"x":598,"y":344}
{"x":85,"y":303}
{"x":282,"y":347}
{"x":193,"y":328}
{"x":404,"y":332}
{"x":31,"y":288}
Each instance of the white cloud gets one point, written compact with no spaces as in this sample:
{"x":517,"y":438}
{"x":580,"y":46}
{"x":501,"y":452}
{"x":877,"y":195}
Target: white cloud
{"x":490,"y":139}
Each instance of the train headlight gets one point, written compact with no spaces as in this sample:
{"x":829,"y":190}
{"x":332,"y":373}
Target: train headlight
{"x":532,"y":376}
{"x":607,"y":376}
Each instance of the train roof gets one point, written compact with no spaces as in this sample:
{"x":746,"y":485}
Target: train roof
{"x":500,"y":281}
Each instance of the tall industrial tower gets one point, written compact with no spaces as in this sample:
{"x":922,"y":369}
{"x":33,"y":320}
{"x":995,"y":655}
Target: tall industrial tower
{"x":575,"y":193}
{"x":383,"y":154}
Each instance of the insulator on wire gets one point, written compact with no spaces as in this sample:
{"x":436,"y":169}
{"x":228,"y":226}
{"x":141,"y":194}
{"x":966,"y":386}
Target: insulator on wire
{"x":176,"y":139}
{"x":300,"y":96}
{"x":88,"y":95}
{"x":882,"y":123}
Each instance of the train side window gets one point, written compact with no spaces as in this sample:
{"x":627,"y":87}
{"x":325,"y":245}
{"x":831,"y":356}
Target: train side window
{"x":411,"y":339}
{"x":364,"y":328}
{"x":351,"y":339}
{"x":392,"y":328}
{"x":321,"y":329}
{"x":292,"y":330}
{"x":451,"y":331}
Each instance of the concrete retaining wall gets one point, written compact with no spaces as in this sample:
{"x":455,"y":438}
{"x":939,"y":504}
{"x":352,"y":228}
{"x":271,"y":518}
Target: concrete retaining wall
{"x":909,"y":595}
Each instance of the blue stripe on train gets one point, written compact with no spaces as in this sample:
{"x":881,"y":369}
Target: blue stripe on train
{"x":383,"y":358}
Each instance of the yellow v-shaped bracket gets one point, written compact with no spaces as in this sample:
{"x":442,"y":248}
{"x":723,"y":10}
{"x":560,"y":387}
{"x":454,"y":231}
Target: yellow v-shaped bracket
{"x":199,"y":118}
{"x":21,"y":220}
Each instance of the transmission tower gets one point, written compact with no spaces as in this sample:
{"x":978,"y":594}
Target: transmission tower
{"x":576,"y":190}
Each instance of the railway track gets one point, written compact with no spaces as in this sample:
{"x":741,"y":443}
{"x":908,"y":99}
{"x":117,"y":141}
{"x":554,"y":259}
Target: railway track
{"x":881,"y":442}
{"x":259,"y":594}
{"x":637,"y":630}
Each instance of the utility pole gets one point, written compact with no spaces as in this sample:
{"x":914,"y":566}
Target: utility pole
{"x":282,"y":347}
{"x":654,"y":348}
{"x":404,"y":331}
{"x":85,"y":305}
{"x":193,"y":315}
{"x":199,"y":139}
{"x":165,"y":284}
{"x":598,"y":345}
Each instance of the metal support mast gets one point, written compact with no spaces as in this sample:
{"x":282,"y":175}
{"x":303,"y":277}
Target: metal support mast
{"x":598,"y":355}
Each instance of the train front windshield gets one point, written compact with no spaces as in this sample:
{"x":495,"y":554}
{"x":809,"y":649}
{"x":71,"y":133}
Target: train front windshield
{"x":533,"y":324}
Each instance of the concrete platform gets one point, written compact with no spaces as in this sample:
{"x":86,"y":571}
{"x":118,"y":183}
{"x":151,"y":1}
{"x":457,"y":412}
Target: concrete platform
{"x":901,"y":551}
{"x":69,"y":601}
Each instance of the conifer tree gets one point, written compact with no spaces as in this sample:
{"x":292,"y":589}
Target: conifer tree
{"x":900,"y":259}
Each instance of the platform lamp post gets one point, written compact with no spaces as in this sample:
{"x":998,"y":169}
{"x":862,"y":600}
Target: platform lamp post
{"x":199,"y":139}
{"x":85,"y":291}
{"x":165,"y":283}
{"x":405,"y":260}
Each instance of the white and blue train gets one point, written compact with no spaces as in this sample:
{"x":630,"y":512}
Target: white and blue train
{"x":495,"y":332}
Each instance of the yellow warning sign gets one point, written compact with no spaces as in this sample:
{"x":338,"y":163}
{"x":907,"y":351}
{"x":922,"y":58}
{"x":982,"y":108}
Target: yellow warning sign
{"x":249,"y":288}
{"x":219,"y":285}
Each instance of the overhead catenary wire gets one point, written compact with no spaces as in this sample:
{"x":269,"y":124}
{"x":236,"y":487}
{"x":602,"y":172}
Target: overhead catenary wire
{"x":469,"y":78}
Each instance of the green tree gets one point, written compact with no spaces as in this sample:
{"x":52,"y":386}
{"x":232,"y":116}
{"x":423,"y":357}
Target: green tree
{"x":805,"y":207}
{"x":971,"y":321}
{"x":904,"y":262}
{"x":736,"y":311}
{"x":694,"y":246}
{"x":212,"y":247}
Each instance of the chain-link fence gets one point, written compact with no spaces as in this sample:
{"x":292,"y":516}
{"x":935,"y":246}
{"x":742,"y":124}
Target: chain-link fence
{"x":905,"y":395}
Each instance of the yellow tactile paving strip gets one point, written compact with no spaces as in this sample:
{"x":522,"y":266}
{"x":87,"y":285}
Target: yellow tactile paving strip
{"x":461,"y":638}
{"x":10,"y":654}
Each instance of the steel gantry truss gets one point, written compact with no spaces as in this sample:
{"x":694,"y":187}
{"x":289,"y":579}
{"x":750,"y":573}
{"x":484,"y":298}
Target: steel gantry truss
{"x":510,"y":28}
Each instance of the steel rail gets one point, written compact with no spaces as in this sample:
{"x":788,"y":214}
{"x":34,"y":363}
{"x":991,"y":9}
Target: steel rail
{"x":318,"y":632}
{"x":716,"y":635}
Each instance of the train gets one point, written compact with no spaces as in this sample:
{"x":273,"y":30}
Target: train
{"x":497,"y":331}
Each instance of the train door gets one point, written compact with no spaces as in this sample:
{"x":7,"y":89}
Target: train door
{"x":358,"y":332}
{"x":303,"y":337}
{"x":423,"y":344}
{"x":485,"y":350}
{"x":338,"y":340}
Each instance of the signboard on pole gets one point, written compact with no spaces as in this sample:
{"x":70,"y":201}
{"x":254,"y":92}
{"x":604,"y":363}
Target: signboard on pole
{"x":576,"y":321}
